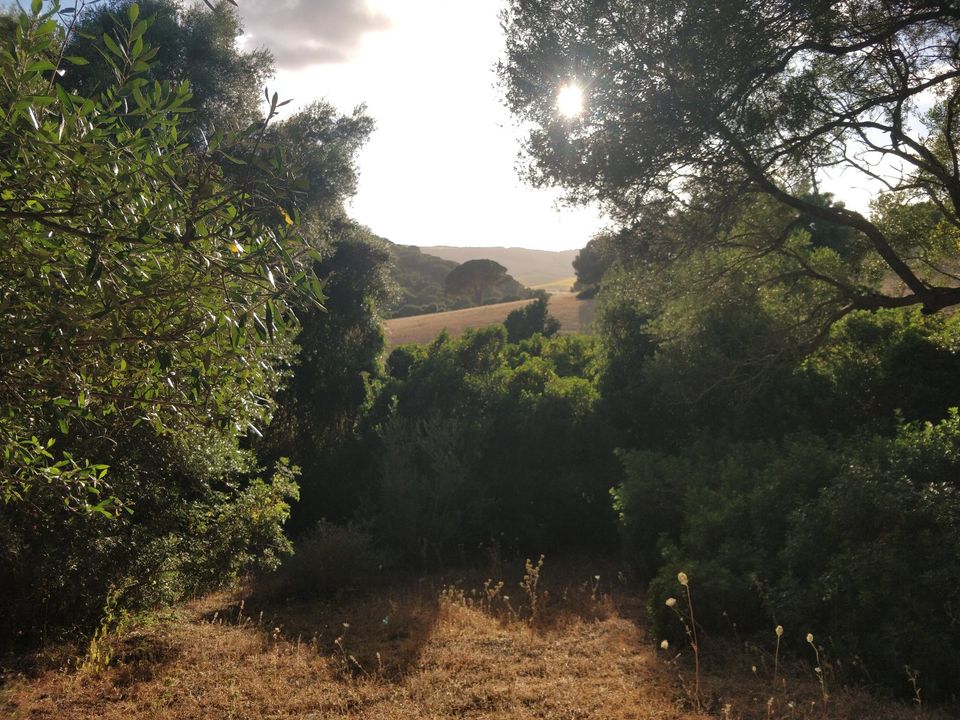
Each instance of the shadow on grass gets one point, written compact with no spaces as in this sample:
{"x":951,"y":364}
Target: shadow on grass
{"x":381,"y":631}
{"x":377,"y":631}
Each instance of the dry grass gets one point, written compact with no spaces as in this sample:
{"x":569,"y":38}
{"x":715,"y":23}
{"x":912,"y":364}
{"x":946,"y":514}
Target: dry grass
{"x":421,"y":649}
{"x":574,"y":315}
{"x":560,"y":285}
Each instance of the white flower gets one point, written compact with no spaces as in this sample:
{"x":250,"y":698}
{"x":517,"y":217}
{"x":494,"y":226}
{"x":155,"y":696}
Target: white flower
{"x":682,"y":578}
{"x":779,"y":631}
{"x":671,"y":602}
{"x":664,"y":644}
{"x":810,"y":638}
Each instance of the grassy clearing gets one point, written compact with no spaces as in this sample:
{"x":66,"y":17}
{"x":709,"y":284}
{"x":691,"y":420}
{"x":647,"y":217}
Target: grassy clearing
{"x":570,"y":646}
{"x":574,"y":315}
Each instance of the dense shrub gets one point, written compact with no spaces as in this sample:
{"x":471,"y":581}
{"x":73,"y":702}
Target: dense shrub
{"x":810,"y":494}
{"x":855,"y":542}
{"x":326,"y":560}
{"x":529,"y":320}
{"x":194,"y":524}
{"x":484,"y":441}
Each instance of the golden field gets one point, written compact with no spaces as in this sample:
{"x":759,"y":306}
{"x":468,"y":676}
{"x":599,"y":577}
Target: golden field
{"x":574,"y":315}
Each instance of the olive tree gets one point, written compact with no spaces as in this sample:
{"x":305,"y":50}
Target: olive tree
{"x":138,"y":283}
{"x":692,"y":105}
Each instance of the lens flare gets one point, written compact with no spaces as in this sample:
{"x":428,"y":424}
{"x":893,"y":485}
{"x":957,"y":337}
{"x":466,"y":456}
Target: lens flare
{"x":570,"y":100}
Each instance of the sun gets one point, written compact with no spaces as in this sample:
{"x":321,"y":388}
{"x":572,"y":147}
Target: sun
{"x":570,"y":100}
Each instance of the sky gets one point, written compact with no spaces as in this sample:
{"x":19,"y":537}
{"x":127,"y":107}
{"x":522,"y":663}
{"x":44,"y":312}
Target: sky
{"x":441,"y":167}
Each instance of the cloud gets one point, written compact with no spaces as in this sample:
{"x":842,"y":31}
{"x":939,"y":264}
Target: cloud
{"x":309,"y":32}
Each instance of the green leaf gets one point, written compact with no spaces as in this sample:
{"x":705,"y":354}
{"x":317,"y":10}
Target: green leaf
{"x":112,"y":46}
{"x":76,"y":60}
{"x":41,"y":66}
{"x":133,"y":12}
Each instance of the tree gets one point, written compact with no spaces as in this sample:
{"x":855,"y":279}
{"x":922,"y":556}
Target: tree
{"x":320,"y":413}
{"x":593,"y":261}
{"x":678,"y":121}
{"x":531,"y":319}
{"x":475,"y":278}
{"x":195,"y":44}
{"x":147,"y":306}
{"x":135,"y":283}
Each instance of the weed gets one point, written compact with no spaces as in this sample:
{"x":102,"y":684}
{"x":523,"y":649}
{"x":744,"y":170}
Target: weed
{"x":531,"y":579}
{"x":491,"y":591}
{"x":115,"y":620}
{"x":819,"y":668}
{"x":776,"y":655}
{"x":913,"y":676}
{"x":691,"y":630}
{"x":349,"y":663}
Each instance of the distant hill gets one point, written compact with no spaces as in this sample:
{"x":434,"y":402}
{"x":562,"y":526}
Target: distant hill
{"x":529,"y":267}
{"x":420,"y":279}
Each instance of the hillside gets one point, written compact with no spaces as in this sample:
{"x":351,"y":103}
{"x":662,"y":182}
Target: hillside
{"x":574,"y":315}
{"x":420,"y":280}
{"x":529,"y":267}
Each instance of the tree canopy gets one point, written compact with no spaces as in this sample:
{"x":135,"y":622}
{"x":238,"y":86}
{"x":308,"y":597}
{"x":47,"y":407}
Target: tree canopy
{"x":136,"y":282}
{"x":196,"y":44}
{"x":678,"y":121}
{"x":475,"y":278}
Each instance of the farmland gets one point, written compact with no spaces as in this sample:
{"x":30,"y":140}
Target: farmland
{"x":574,"y":315}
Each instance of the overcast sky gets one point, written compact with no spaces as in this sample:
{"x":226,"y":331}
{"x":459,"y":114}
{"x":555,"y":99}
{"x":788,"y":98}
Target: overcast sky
{"x":441,"y":166}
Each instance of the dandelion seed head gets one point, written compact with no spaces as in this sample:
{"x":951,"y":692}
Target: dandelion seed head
{"x":671,"y":602}
{"x":779,"y":631}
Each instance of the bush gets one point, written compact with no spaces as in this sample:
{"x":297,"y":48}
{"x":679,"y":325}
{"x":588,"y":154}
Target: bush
{"x":326,"y":560}
{"x":196,"y":526}
{"x":485,"y":441}
{"x":529,"y":320}
{"x":855,"y":542}
{"x":872,"y":562}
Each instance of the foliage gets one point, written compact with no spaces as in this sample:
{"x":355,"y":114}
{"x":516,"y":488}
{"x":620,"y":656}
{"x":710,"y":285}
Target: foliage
{"x":419,"y":277}
{"x":135,"y":285}
{"x":195,"y":525}
{"x":197,"y":45}
{"x":854,"y":542}
{"x":148,"y":305}
{"x":531,"y":319}
{"x":792,"y":501}
{"x":317,"y":148}
{"x":487,"y":442}
{"x":475,"y":278}
{"x":886,"y":593}
{"x":797,"y":89}
{"x":592,"y":262}
{"x":321,"y":412}
{"x":326,"y":560}
{"x":420,"y":280}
